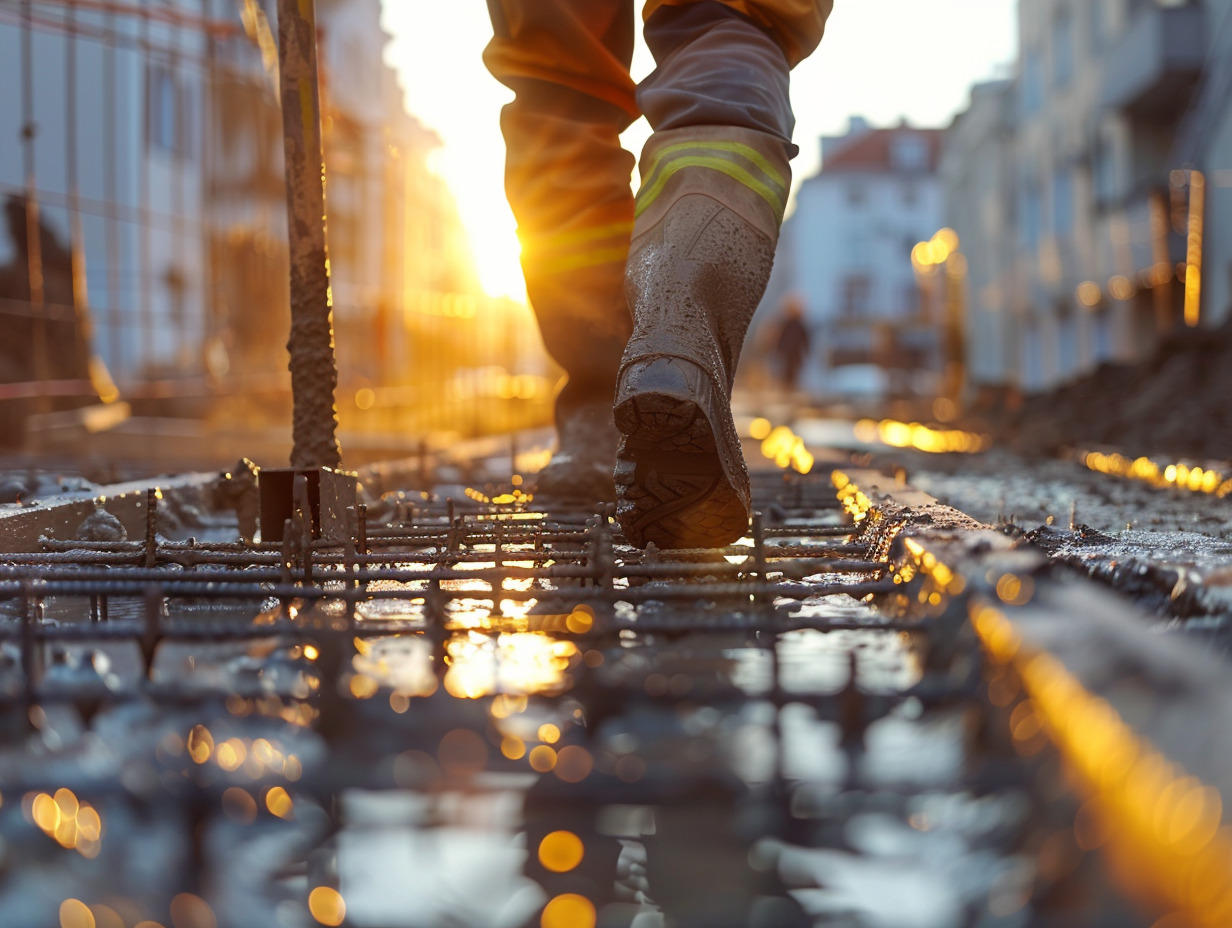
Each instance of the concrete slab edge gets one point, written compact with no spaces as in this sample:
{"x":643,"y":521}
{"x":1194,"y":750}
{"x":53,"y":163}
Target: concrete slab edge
{"x":1142,"y":720}
{"x":21,"y":526}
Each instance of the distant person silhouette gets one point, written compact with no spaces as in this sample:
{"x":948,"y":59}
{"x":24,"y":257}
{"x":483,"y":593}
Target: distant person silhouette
{"x":791,"y":343}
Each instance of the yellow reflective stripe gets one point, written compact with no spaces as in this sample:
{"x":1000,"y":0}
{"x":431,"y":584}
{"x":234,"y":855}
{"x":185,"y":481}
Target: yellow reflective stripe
{"x":578,"y":261}
{"x":647,"y":196}
{"x":560,"y":240}
{"x":738,"y":148}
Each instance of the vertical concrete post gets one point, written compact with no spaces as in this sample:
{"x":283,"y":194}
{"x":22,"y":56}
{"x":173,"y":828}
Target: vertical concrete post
{"x":314,"y":374}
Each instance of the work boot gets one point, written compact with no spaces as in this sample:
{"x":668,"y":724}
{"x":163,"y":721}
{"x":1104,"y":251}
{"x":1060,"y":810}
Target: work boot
{"x":581,"y":467}
{"x":585,"y":326}
{"x":707,"y":222}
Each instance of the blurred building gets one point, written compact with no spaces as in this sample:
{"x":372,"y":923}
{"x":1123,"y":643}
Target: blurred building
{"x":1204,"y":142}
{"x":845,"y":255}
{"x":145,"y":139}
{"x":1070,"y":192}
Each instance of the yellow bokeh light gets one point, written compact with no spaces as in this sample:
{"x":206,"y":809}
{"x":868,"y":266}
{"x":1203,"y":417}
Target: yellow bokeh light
{"x":278,"y":801}
{"x":1014,"y":590}
{"x":363,"y":686}
{"x":200,"y":744}
{"x":72,"y":823}
{"x":46,"y":813}
{"x":947,"y":239}
{"x":75,"y":914}
{"x":561,"y":851}
{"x":1088,"y":293}
{"x":549,"y":733}
{"x":67,"y":802}
{"x":580,"y":620}
{"x":327,"y":905}
{"x":189,"y":909}
{"x":1195,"y":479}
{"x":759,"y":428}
{"x":542,"y":758}
{"x":230,"y":754}
{"x":568,"y":911}
{"x":1120,"y":287}
{"x":89,"y":824}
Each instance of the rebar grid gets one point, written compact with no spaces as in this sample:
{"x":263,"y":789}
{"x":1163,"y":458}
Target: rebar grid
{"x":433,"y":555}
{"x":317,"y":670}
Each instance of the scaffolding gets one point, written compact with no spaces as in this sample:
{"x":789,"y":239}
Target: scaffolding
{"x":145,"y":148}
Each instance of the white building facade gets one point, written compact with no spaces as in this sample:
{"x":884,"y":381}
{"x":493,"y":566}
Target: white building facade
{"x":1071,"y":191}
{"x":845,"y":254}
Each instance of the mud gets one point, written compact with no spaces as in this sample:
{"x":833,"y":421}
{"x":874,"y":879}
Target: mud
{"x":1169,"y":550}
{"x":1174,"y":403}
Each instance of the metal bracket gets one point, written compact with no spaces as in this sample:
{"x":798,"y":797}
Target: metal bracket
{"x":330,"y":494}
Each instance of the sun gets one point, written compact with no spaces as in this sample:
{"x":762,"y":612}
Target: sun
{"x":496,"y":251}
{"x":472,"y":167}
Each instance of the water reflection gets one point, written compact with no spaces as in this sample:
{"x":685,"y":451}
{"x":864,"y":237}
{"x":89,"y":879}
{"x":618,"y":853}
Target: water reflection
{"x":520,"y":663}
{"x":72,"y":823}
{"x":521,"y":765}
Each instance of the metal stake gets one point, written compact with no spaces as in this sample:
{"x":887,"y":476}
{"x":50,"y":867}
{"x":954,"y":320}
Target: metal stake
{"x":314,"y":373}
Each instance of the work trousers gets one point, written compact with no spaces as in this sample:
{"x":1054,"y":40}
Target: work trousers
{"x":718,"y":63}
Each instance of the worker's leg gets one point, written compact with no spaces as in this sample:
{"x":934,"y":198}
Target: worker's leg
{"x":796,"y":25}
{"x":567,"y":180}
{"x":715,"y":179}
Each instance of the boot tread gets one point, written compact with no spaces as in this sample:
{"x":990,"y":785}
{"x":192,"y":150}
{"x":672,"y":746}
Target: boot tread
{"x":670,"y":481}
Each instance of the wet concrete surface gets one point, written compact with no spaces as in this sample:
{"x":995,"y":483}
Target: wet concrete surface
{"x":1168,"y":549}
{"x":679,"y":753}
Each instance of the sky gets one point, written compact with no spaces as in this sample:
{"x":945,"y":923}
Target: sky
{"x":886,"y":60}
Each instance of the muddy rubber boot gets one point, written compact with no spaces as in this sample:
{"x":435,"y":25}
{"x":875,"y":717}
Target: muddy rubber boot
{"x":709,"y":209}
{"x":585,"y":326}
{"x":580,"y":470}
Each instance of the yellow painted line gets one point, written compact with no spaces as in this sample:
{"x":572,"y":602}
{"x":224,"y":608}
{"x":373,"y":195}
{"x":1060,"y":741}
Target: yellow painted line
{"x":1164,"y":825}
{"x":1165,"y":837}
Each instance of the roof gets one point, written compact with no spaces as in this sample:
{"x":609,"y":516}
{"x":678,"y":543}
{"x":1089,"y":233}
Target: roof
{"x":873,"y":151}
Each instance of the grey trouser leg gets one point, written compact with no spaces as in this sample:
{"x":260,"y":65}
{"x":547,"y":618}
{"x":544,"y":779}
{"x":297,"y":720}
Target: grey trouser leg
{"x":715,"y":68}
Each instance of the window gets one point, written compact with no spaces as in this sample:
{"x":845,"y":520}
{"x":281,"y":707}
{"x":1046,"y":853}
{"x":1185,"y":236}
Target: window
{"x":166,"y":111}
{"x":854,"y":298}
{"x":1062,"y":47}
{"x":1063,"y":203}
{"x":1029,"y":213}
{"x":910,"y":299}
{"x":1031,"y":90}
{"x":1097,"y":24}
{"x":909,"y":153}
{"x":1103,"y":337}
{"x":1104,"y":171}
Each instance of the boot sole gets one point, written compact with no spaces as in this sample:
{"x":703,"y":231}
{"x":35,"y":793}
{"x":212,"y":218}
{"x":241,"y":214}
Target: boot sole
{"x":671,"y":487}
